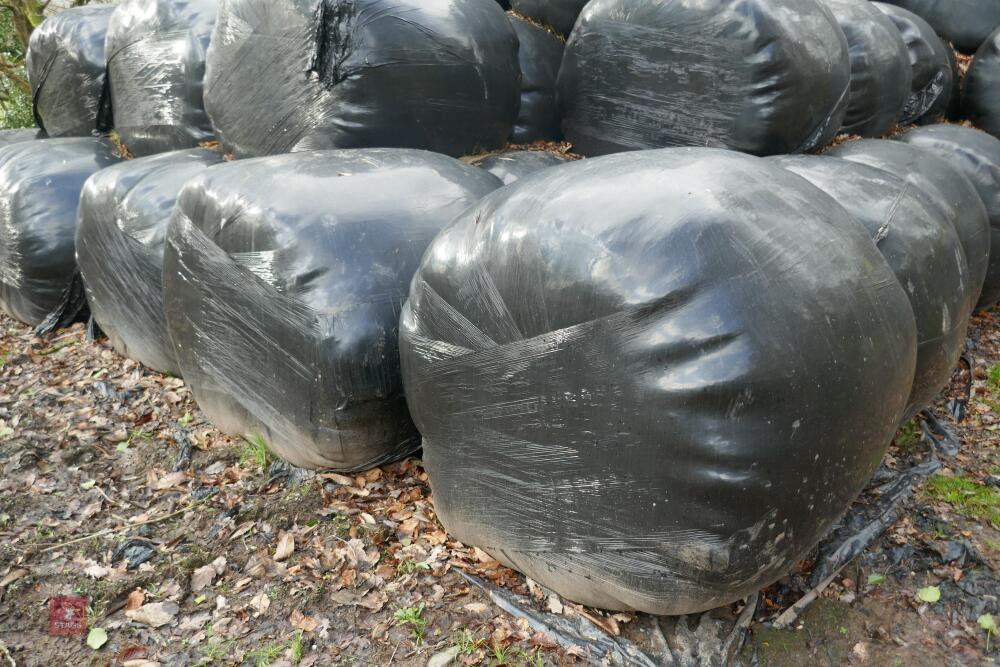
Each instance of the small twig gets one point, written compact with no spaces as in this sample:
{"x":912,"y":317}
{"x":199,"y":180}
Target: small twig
{"x":5,"y":652}
{"x":791,"y":614}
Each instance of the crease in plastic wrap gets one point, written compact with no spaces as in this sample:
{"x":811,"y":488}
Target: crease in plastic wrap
{"x":66,"y":67}
{"x":759,"y":76}
{"x":283,"y":280}
{"x":560,"y":15}
{"x":658,"y":402}
{"x":977,"y":155}
{"x":935,"y":71}
{"x":121,"y":232}
{"x":510,"y":166}
{"x":540,"y":55}
{"x":881,"y":75}
{"x":156,"y":68}
{"x":950,"y":190}
{"x":922,"y":249}
{"x":981,"y":92}
{"x":964,"y":23}
{"x":297,"y":75}
{"x":40,"y":183}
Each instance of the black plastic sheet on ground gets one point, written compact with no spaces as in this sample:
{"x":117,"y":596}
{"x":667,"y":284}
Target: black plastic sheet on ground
{"x":283,"y":281}
{"x":981,"y":93}
{"x":763,"y":77}
{"x":513,"y":165}
{"x":964,"y":23}
{"x":540,"y":54}
{"x":40,"y":183}
{"x":122,"y":226}
{"x":296,"y":75}
{"x":659,"y":401}
{"x":66,"y":66}
{"x":156,"y":66}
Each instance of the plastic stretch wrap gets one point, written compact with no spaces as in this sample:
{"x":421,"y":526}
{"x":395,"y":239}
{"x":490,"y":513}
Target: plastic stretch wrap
{"x":964,"y":23}
{"x":283,"y":280}
{"x":40,"y":183}
{"x":977,"y":155}
{"x":8,"y":137}
{"x":156,"y":66}
{"x":66,"y":67}
{"x":947,"y":187}
{"x":560,"y":15}
{"x":981,"y":93}
{"x":512,"y":165}
{"x":922,"y":249}
{"x":297,"y":75}
{"x":660,"y":401}
{"x":121,"y":229}
{"x":880,"y":68}
{"x":759,"y":76}
{"x":935,"y":76}
{"x":540,"y":54}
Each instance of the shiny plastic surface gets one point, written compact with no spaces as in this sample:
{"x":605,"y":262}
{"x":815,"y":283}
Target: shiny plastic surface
{"x":283,"y":280}
{"x":297,"y":75}
{"x":513,"y":165}
{"x":922,"y":249}
{"x":540,"y":54}
{"x":560,"y":15}
{"x":880,"y":68}
{"x":156,"y":66}
{"x":964,"y":23}
{"x":121,"y":230}
{"x":66,"y":66}
{"x":934,"y":79}
{"x":977,"y":155}
{"x":659,"y":401}
{"x":40,"y":183}
{"x":981,"y":93}
{"x":759,"y":76}
{"x":950,"y":190}
{"x":8,"y":137}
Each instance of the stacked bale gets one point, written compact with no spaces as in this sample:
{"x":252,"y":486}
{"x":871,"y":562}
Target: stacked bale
{"x":964,"y":23}
{"x":540,"y":55}
{"x":981,"y":93}
{"x":156,"y":64}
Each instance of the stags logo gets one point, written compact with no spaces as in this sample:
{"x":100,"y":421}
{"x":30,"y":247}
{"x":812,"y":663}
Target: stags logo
{"x":67,"y":615}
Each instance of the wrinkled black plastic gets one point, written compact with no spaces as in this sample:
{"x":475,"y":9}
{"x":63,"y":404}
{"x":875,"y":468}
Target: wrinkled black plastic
{"x":922,"y":249}
{"x":977,"y":155}
{"x":880,"y":68}
{"x":657,"y":401}
{"x":950,"y":190}
{"x":560,"y":15}
{"x":513,"y":165}
{"x":156,"y":66}
{"x":8,"y":137}
{"x":295,"y":75}
{"x":981,"y":93}
{"x":934,"y":79}
{"x":759,"y":76}
{"x":40,"y":184}
{"x":283,"y":280}
{"x":964,"y":23}
{"x":66,"y":66}
{"x":540,"y":54}
{"x":121,"y":229}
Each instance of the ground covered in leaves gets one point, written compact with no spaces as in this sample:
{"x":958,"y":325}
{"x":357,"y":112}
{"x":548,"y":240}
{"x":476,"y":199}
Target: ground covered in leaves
{"x":193,"y":548}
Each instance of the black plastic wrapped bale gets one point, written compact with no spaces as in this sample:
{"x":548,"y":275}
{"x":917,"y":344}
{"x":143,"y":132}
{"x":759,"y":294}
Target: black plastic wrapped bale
{"x":880,"y":68}
{"x":759,"y":76}
{"x":540,"y":54}
{"x":156,"y":68}
{"x":977,"y":155}
{"x":950,"y":190}
{"x":283,"y":280}
{"x":981,"y":93}
{"x":121,"y":230}
{"x":66,"y":66}
{"x":40,"y":183}
{"x":964,"y":23}
{"x":8,"y":137}
{"x":922,"y":249}
{"x":297,"y":75}
{"x":657,"y":401}
{"x":514,"y":165}
{"x":932,"y":85}
{"x":560,"y":15}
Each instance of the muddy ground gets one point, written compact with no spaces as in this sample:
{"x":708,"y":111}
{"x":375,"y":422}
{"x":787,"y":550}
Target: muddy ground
{"x":193,"y":548}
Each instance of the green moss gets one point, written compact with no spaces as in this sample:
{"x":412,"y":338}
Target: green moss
{"x":967,"y":497}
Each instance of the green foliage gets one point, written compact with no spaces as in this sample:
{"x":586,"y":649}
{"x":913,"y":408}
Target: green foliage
{"x":256,"y":451}
{"x":973,"y":500}
{"x":413,"y":617}
{"x":263,"y":656}
{"x":15,"y":97}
